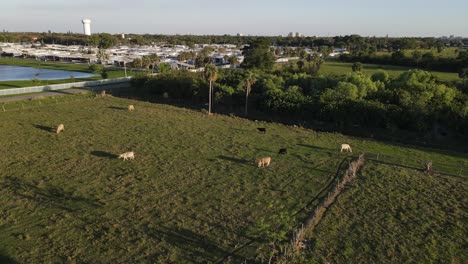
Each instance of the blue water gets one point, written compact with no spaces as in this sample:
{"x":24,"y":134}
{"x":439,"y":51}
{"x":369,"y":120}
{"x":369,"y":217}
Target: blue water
{"x":16,"y":73}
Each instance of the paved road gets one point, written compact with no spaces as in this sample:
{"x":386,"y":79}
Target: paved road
{"x":60,"y":92}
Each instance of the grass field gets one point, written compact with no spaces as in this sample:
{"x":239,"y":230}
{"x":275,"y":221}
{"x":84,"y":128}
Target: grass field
{"x":394,"y":215}
{"x":451,"y":52}
{"x":113,"y":72}
{"x":338,"y":68}
{"x":192,"y":194}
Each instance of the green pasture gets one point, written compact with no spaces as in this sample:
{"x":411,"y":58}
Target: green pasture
{"x":339,"y":68}
{"x":193,"y":193}
{"x":394,"y":215}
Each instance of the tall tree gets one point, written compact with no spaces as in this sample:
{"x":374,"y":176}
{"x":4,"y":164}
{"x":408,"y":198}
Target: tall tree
{"x":463,"y":73}
{"x":249,"y":80}
{"x":211,"y":75}
{"x":154,"y":59}
{"x":417,"y":56}
{"x":300,"y":64}
{"x":258,"y":55}
{"x":357,"y":67}
{"x":233,"y":60}
{"x":146,"y":62}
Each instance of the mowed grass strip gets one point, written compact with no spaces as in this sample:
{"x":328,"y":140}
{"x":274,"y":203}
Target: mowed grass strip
{"x":192,"y":194}
{"x":339,"y":68}
{"x":395,"y":215}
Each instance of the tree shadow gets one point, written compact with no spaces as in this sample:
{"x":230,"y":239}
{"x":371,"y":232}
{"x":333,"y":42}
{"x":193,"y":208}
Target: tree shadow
{"x":117,"y":108}
{"x":104,"y":154}
{"x":6,"y":260}
{"x":235,"y":160}
{"x":194,"y":246}
{"x":45,"y":128}
{"x":47,"y":196}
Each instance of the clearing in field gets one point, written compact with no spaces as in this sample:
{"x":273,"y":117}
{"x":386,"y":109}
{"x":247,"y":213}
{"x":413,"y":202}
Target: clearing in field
{"x":193,"y":193}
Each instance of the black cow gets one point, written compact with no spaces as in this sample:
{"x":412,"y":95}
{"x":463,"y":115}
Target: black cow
{"x":283,"y":151}
{"x":261,"y":130}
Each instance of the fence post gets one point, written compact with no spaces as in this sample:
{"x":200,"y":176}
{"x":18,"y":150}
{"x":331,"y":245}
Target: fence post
{"x":3,"y":108}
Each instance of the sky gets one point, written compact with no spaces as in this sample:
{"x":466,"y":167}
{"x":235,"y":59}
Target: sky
{"x":396,"y":18}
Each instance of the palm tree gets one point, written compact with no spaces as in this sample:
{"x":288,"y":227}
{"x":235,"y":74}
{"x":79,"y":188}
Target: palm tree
{"x":211,"y":74}
{"x":462,"y":74}
{"x":154,"y":58}
{"x":250,"y":79}
{"x":146,"y":61}
{"x":137,"y":63}
{"x":300,"y":64}
{"x":233,"y":60}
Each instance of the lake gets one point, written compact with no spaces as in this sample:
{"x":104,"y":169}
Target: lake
{"x":17,"y":73}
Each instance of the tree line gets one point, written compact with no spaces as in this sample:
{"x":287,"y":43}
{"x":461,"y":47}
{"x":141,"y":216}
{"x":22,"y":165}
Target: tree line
{"x":414,"y":101}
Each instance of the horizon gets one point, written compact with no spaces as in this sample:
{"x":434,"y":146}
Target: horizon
{"x":336,"y":18}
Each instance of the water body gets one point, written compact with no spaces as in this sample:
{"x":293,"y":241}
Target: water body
{"x":17,"y":73}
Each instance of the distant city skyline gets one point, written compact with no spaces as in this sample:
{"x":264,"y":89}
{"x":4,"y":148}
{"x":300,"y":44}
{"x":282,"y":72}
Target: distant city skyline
{"x":413,"y":18}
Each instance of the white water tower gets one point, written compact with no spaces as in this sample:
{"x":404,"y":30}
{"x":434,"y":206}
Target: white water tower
{"x":86,"y":26}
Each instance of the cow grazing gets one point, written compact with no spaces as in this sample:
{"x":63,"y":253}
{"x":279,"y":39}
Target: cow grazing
{"x":264,"y":162}
{"x":127,"y":155}
{"x":131,"y":108}
{"x":261,"y":130}
{"x":283,"y":151}
{"x":346,"y":147}
{"x":60,"y":128}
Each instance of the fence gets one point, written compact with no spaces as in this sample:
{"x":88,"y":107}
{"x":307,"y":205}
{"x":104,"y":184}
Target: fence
{"x":456,"y":170}
{"x":53,"y":87}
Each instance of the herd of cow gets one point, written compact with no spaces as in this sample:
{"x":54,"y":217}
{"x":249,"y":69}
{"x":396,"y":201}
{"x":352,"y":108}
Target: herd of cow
{"x":262,"y":162}
{"x":265,"y":162}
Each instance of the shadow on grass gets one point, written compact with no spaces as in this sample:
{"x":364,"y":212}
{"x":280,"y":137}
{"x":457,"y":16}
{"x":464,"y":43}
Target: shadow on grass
{"x":194,"y":246}
{"x":103,"y":154}
{"x":6,"y":260}
{"x":242,"y":130}
{"x":265,"y":150}
{"x":49,"y":197}
{"x":117,"y":108}
{"x":329,"y":150}
{"x":45,"y":128}
{"x":235,"y":160}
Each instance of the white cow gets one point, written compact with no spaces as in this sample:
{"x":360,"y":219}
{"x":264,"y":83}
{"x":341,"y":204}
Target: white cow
{"x":60,"y":128}
{"x":346,"y":147}
{"x":127,"y":155}
{"x":131,"y":108}
{"x":264,"y":162}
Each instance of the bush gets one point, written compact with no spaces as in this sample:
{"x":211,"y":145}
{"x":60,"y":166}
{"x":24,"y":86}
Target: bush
{"x":96,"y":68}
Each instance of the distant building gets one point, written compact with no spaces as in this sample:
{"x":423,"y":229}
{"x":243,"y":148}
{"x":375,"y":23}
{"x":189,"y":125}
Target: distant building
{"x":240,"y":34}
{"x":295,"y":35}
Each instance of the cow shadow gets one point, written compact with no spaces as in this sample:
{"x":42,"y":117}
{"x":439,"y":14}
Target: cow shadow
{"x":117,"y":108}
{"x":103,"y":154}
{"x":45,"y":128}
{"x":235,"y":160}
{"x":318,"y":148}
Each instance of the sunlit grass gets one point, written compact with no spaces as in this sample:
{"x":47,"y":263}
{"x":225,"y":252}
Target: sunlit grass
{"x":192,"y":194}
